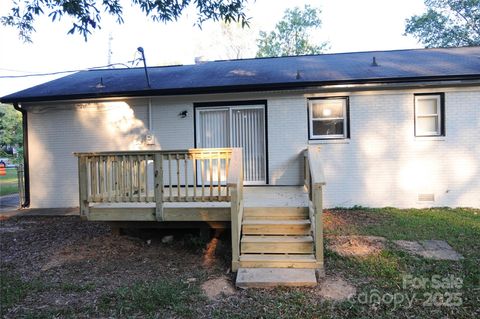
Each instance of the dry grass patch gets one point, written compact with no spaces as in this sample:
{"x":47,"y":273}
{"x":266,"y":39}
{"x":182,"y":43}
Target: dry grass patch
{"x":355,"y":245}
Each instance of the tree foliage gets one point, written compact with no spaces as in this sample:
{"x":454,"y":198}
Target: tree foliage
{"x":447,"y":23}
{"x":87,"y":14}
{"x":291,"y":34}
{"x":10,"y":127}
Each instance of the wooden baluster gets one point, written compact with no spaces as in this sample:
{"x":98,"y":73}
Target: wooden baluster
{"x":170,"y":177}
{"x":185,"y":158}
{"x":97,"y":177}
{"x":139,"y":179}
{"x":158,"y":185}
{"x":122,"y":179}
{"x":131,"y":169}
{"x":146,"y":178}
{"x":92,"y":181}
{"x":202,"y":168}
{"x":101,"y":178}
{"x":194,"y":167}
{"x":210,"y":169}
{"x":178,"y":176}
{"x":219,"y":169}
{"x":227,"y":162}
{"x":92,"y":178}
{"x":117,"y":179}
{"x":109,"y":179}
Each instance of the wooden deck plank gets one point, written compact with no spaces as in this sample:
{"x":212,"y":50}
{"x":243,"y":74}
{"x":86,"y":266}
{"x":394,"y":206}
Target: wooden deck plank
{"x":197,"y":214}
{"x":146,"y":212}
{"x":122,"y":214}
{"x":278,"y":261}
{"x":277,"y":239}
{"x":276,"y":227}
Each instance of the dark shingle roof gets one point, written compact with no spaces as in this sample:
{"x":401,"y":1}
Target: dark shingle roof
{"x":263,"y":74}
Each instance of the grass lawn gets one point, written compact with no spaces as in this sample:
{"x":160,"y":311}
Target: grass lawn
{"x":9,"y":182}
{"x":379,"y":279}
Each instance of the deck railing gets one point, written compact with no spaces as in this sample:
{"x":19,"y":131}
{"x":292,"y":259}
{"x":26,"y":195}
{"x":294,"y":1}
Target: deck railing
{"x":194,"y":175}
{"x":314,"y":182}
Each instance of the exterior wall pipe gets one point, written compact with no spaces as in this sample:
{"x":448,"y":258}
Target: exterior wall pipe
{"x":150,"y":115}
{"x":26,"y":166}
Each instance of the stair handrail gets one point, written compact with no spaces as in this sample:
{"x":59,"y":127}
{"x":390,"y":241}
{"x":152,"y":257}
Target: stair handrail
{"x":235,"y":184}
{"x":314,"y":182}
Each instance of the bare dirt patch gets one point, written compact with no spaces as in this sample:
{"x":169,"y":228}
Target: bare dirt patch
{"x":106,"y":247}
{"x":217,"y":287}
{"x":355,"y":245}
{"x":336,"y":289}
{"x":431,"y":249}
{"x":75,"y":263}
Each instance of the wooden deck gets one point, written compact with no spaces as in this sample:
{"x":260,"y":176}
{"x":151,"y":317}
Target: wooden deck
{"x":271,"y":226}
{"x":255,"y":197}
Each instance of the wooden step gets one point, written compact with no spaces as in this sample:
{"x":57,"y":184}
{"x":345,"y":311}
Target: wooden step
{"x":277,"y":261}
{"x":276,"y":227}
{"x":275,"y":277}
{"x":277,"y":244}
{"x":275,"y":213}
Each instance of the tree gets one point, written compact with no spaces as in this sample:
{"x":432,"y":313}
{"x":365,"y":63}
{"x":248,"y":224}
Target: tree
{"x":227,"y":41}
{"x":447,"y":23}
{"x":291,"y":34}
{"x":11,"y":133}
{"x":86,"y":14}
{"x":236,"y":40}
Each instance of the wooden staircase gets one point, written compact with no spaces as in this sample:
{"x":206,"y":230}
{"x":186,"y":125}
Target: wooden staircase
{"x":274,"y":238}
{"x":280,"y":245}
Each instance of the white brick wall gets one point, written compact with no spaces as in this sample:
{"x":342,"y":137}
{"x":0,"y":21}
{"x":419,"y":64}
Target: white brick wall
{"x":382,"y":164}
{"x":54,"y":135}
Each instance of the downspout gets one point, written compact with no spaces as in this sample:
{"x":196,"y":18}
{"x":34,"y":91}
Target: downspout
{"x":150,"y":115}
{"x":26,"y":168}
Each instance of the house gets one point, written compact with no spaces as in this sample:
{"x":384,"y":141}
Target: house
{"x":388,"y":128}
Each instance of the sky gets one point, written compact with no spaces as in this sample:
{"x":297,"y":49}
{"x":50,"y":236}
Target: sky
{"x":348,"y":25}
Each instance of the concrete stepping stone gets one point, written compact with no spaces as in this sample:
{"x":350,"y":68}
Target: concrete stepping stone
{"x":275,"y":277}
{"x":431,"y":249}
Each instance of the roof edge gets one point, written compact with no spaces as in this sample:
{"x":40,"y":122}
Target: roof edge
{"x":239,"y":88}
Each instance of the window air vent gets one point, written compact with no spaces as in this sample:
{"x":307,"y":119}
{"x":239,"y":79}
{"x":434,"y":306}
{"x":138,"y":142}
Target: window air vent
{"x":426,"y":197}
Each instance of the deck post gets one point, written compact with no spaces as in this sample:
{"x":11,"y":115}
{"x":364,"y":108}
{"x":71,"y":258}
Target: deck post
{"x":318,"y":210}
{"x":83,"y":186}
{"x":235,"y":230}
{"x":235,"y":184}
{"x":158,"y":189}
{"x":315,"y":180}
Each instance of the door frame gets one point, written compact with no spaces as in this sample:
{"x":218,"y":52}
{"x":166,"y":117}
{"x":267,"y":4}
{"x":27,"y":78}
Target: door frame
{"x":229,"y":105}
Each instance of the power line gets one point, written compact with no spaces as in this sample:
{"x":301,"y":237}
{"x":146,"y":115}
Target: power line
{"x":18,"y":71}
{"x":62,"y":72}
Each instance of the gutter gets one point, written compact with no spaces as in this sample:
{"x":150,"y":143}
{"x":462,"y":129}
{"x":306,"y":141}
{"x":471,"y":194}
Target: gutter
{"x":26,"y":167}
{"x":380,"y":83}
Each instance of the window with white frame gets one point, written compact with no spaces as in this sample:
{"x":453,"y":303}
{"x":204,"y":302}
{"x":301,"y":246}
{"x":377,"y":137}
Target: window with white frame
{"x":429,"y":119}
{"x":328,"y":118}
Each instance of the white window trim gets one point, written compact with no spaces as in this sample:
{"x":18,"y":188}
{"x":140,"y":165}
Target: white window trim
{"x":311,"y":136}
{"x":438,"y":115}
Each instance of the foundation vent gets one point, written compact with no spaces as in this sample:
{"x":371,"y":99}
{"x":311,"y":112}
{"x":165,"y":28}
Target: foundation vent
{"x":426,"y":197}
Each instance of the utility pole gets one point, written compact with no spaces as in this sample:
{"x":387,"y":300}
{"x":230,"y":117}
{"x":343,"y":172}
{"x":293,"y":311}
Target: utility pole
{"x":109,"y":53}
